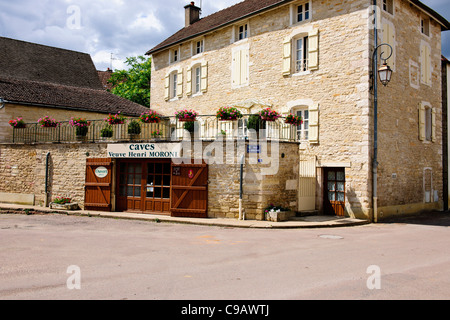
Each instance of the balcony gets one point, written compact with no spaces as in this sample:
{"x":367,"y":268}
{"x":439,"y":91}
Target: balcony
{"x":206,"y":127}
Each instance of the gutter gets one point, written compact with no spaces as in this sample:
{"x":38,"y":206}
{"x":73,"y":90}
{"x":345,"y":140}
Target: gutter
{"x":442,"y":21}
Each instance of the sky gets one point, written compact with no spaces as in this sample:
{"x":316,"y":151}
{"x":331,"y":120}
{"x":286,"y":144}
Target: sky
{"x":112,"y":30}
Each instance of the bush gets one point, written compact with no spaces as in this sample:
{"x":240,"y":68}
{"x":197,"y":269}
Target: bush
{"x":106,"y":132}
{"x":134,"y":127}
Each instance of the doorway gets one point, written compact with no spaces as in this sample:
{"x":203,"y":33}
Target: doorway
{"x":334,"y":191}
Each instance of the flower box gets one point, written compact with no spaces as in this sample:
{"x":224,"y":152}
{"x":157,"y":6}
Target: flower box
{"x":186,"y":115}
{"x":268,"y":114}
{"x":279,"y":216}
{"x":150,"y":116}
{"x":228,"y":114}
{"x":294,"y":120}
{"x":64,"y":206}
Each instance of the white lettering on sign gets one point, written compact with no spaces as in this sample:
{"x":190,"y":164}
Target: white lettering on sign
{"x":101,"y":172}
{"x":144,"y":150}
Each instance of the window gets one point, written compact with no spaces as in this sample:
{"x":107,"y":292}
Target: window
{"x":301,"y":54}
{"x":199,"y":47}
{"x":425,"y":26}
{"x":302,"y":12}
{"x":427,"y":123}
{"x":174,"y":55}
{"x":388,"y":6}
{"x":243,"y":32}
{"x":197,"y":79}
{"x":303,"y":129}
{"x":174,"y":85}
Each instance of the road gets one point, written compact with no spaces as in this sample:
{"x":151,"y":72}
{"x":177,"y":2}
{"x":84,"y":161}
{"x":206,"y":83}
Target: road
{"x":61,"y":257}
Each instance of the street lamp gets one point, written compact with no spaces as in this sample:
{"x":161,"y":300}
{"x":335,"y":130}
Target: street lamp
{"x":385,"y":74}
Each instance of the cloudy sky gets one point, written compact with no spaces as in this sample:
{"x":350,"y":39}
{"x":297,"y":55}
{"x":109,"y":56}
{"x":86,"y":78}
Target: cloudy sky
{"x":123,"y":28}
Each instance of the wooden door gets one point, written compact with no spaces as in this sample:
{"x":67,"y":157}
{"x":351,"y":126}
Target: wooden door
{"x":98,"y":184}
{"x":189,"y":190}
{"x":334,"y":191}
{"x":129,"y":195}
{"x":157,"y":186}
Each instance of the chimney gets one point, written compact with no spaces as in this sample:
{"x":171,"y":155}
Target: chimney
{"x":192,"y":14}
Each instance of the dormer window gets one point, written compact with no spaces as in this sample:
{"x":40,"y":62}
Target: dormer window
{"x":300,"y":11}
{"x":243,"y":32}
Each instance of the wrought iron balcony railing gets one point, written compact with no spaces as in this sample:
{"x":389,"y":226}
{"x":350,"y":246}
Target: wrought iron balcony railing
{"x":205,"y":127}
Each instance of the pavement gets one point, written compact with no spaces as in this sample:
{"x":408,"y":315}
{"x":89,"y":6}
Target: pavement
{"x":315,"y":221}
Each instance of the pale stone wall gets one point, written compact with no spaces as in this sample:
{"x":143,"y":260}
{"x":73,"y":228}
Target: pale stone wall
{"x":22,"y":171}
{"x":340,"y":86}
{"x":31,"y":114}
{"x":402,"y":156}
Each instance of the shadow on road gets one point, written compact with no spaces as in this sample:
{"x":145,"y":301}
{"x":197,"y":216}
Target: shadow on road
{"x":434,"y":218}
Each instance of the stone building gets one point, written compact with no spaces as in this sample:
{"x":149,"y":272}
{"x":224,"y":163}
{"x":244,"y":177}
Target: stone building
{"x":314,"y":59}
{"x":310,"y":58}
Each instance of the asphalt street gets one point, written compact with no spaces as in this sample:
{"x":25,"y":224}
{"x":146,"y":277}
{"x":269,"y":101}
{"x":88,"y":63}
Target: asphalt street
{"x":60,"y":257}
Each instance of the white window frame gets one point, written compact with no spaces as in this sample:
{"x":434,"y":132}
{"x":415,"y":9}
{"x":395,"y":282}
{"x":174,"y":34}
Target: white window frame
{"x":304,"y":55}
{"x":303,"y":129}
{"x":196,"y":48}
{"x":173,"y":85}
{"x":244,"y":32}
{"x":306,"y":9}
{"x":174,"y":55}
{"x":425,"y":25}
{"x":388,"y":6}
{"x":196,"y":79}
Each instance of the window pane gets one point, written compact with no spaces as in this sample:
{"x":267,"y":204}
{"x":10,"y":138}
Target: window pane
{"x":166,"y":193}
{"x":130,"y":191}
{"x":158,"y":193}
{"x":340,"y":176}
{"x":158,"y":181}
{"x":340,"y":197}
{"x":331,"y":186}
{"x":331,"y":175}
{"x":158,"y":168}
{"x":331,"y":196}
{"x":341,"y":186}
{"x":167,"y":168}
{"x":150,"y":168}
{"x":166,"y":180}
{"x":137,"y":191}
{"x":300,"y":13}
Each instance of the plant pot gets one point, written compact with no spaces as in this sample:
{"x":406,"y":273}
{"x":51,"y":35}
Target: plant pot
{"x":279,"y":216}
{"x":66,"y":206}
{"x":186,"y":119}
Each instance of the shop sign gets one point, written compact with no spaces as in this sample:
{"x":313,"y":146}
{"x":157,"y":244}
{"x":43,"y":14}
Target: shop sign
{"x":253,"y":148}
{"x":144,"y":150}
{"x":101,"y":172}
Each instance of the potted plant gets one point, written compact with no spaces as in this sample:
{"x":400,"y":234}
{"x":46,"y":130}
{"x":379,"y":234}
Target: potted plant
{"x":150,"y":116}
{"x":46,"y":122}
{"x":115,"y":119}
{"x":228,"y":113}
{"x":81,"y":126}
{"x":106,"y":132}
{"x":17,"y":123}
{"x":277,"y":213}
{"x":293,"y":120}
{"x":134,"y":128}
{"x":63,"y":203}
{"x":186,"y":115}
{"x":156,"y":134}
{"x":268,"y":114}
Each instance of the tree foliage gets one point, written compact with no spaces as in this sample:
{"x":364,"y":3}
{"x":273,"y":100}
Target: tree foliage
{"x":133,"y":84}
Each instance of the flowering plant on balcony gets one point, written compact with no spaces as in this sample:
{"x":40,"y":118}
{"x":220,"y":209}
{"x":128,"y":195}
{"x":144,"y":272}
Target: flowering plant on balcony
{"x":186,"y":115}
{"x":294,"y":120}
{"x":17,"y":123}
{"x":150,"y":116}
{"x":228,"y":113}
{"x":115,"y":119}
{"x":46,"y":122}
{"x":156,"y":134}
{"x":268,"y":114}
{"x":81,"y":126}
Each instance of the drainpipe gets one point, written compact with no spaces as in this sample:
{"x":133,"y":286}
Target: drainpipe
{"x":46,"y":178}
{"x":375,"y":110}
{"x":241,"y":215}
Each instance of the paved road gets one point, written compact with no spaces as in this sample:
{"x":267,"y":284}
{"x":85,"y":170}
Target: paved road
{"x":124,"y":259}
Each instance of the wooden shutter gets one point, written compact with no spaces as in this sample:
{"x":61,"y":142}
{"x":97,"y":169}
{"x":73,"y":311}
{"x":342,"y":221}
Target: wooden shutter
{"x":244,"y":66}
{"x":98,"y":190}
{"x":421,"y":122}
{"x":314,"y":124}
{"x":204,"y":79}
{"x":236,"y":68}
{"x":287,"y":51}
{"x":425,"y":64}
{"x":313,"y":50}
{"x":167,"y":87}
{"x":189,"y":81}
{"x":389,"y":38}
{"x":189,"y":190}
{"x":180,"y":83}
{"x":307,"y":183}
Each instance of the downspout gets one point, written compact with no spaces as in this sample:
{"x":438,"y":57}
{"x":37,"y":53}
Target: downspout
{"x":375,"y":113}
{"x":241,"y":214}
{"x":46,"y":178}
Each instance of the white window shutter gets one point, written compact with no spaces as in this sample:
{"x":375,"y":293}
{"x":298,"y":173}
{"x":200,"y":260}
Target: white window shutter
{"x":421,"y":122}
{"x":167,"y":87}
{"x":244,"y":66}
{"x":189,"y":81}
{"x":433,"y":124}
{"x":287,"y":51}
{"x":313,"y":49}
{"x":389,"y":38}
{"x":427,"y":65}
{"x":236,"y":68}
{"x":204,"y":79}
{"x":422,"y":63}
{"x":314,"y":123}
{"x":180,"y":83}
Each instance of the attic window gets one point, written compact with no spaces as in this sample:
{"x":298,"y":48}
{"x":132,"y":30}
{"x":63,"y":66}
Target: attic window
{"x":388,"y":6}
{"x":243,"y":32}
{"x":302,"y":12}
{"x":199,"y":46}
{"x":425,"y":26}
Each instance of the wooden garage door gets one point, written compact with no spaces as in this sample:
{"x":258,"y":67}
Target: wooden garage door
{"x":189,"y":190}
{"x":98,"y":184}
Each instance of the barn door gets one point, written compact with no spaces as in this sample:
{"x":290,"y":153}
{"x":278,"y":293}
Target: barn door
{"x":98,"y":184}
{"x":189,"y":190}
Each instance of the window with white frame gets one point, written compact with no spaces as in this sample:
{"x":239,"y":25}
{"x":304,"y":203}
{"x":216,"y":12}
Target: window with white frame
{"x":174,"y":55}
{"x":425,"y":26}
{"x":302,"y":12}
{"x":242,"y":32}
{"x":301,"y":54}
{"x":388,"y":6}
{"x":196,"y":79}
{"x":427,"y":123}
{"x":173,"y":84}
{"x":199,"y":47}
{"x":303,"y":129}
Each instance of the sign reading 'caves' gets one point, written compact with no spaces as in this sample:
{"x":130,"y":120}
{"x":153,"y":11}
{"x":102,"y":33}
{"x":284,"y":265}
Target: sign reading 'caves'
{"x":144,"y":150}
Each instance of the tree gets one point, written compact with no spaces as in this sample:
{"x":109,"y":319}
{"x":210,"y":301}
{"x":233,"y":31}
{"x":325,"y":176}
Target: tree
{"x":133,"y":84}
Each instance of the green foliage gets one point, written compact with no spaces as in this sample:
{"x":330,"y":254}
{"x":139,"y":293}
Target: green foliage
{"x":255,"y":122}
{"x":134,"y":127}
{"x":106,"y":132}
{"x":133,"y":84}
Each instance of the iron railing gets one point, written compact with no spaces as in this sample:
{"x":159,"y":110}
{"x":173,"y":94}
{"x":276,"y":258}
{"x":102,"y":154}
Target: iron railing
{"x":206,"y":127}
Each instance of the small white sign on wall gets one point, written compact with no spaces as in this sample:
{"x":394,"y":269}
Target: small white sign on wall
{"x":101,"y":172}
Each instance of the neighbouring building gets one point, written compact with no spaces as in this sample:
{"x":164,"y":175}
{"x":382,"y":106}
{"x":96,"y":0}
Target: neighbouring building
{"x":308,"y":58}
